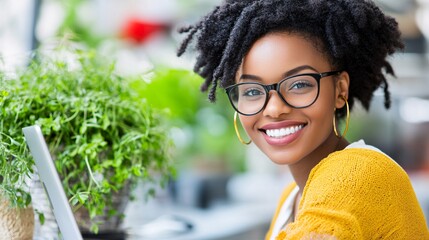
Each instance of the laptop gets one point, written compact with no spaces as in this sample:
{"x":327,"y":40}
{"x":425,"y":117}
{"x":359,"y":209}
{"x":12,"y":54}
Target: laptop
{"x":52,"y":183}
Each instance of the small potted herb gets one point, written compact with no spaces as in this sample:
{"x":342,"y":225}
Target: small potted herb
{"x":103,"y":136}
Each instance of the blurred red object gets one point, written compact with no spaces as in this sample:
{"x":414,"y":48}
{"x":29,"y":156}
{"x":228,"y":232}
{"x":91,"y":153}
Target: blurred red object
{"x":140,"y":31}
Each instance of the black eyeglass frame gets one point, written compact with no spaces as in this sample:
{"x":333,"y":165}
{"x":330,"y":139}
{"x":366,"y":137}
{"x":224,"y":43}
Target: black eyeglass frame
{"x":275,"y":87}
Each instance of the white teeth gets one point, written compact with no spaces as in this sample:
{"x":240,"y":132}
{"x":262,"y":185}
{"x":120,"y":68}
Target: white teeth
{"x":282,"y":132}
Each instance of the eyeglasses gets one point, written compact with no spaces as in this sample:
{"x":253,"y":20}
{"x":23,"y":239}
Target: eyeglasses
{"x":298,"y":91}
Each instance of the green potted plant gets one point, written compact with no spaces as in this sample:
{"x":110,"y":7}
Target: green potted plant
{"x":104,"y":137}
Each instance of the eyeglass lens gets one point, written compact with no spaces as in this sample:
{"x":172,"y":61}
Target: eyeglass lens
{"x":250,"y":98}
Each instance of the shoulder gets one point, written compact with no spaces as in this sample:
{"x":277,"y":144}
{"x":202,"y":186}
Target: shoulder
{"x":356,"y":177}
{"x":356,"y":170}
{"x":359,"y":164}
{"x":361,"y":189}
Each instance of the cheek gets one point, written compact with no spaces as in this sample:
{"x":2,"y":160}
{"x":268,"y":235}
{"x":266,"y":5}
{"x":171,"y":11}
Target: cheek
{"x":322,"y":119}
{"x":248,"y":122}
{"x":321,"y":113}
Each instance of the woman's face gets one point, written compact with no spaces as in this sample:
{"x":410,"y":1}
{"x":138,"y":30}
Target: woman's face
{"x":301,"y":132}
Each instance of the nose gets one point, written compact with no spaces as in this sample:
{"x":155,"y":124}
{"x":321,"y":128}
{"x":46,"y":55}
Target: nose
{"x":275,"y":106}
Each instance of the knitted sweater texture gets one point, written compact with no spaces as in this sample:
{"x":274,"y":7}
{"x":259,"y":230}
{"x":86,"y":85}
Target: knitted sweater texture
{"x":356,"y":194}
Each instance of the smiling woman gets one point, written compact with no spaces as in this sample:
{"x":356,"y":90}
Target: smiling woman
{"x":291,"y":70}
{"x":273,"y":57}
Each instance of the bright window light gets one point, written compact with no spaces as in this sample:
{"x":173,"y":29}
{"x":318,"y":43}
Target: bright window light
{"x":414,"y":110}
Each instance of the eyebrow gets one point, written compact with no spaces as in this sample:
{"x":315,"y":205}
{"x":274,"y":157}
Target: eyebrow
{"x":286,"y":74}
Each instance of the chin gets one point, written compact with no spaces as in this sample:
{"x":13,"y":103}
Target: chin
{"x":282,"y":158}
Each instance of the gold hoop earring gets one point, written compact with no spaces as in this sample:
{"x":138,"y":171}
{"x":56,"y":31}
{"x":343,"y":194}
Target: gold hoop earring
{"x":347,"y":120}
{"x":238,"y":133}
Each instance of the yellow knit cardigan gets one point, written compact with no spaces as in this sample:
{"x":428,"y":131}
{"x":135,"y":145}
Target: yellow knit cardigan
{"x":355,"y":194}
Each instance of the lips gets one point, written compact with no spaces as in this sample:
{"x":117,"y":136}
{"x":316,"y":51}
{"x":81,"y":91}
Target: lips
{"x":282,"y":133}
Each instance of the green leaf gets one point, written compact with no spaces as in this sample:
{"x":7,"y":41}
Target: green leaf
{"x":94,"y":228}
{"x":41,"y":218}
{"x":82,"y":197}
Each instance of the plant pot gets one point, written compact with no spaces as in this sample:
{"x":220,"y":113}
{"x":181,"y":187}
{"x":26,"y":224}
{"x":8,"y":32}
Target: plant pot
{"x":107,"y":225}
{"x":16,"y":223}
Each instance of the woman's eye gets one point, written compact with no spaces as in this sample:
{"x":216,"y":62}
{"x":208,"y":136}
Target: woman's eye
{"x":300,"y":85}
{"x":252,"y":92}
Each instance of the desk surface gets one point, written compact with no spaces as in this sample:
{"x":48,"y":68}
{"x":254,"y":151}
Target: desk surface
{"x":229,"y":221}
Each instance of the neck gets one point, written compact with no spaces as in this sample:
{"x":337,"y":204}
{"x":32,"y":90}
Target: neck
{"x":301,"y":170}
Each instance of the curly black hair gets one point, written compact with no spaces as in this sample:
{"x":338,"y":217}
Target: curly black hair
{"x":354,"y":35}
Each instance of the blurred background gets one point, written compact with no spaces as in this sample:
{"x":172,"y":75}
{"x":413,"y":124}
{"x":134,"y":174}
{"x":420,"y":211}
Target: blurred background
{"x":222,"y":189}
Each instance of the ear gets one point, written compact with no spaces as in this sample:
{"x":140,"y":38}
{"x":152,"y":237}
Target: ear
{"x":342,"y":83}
